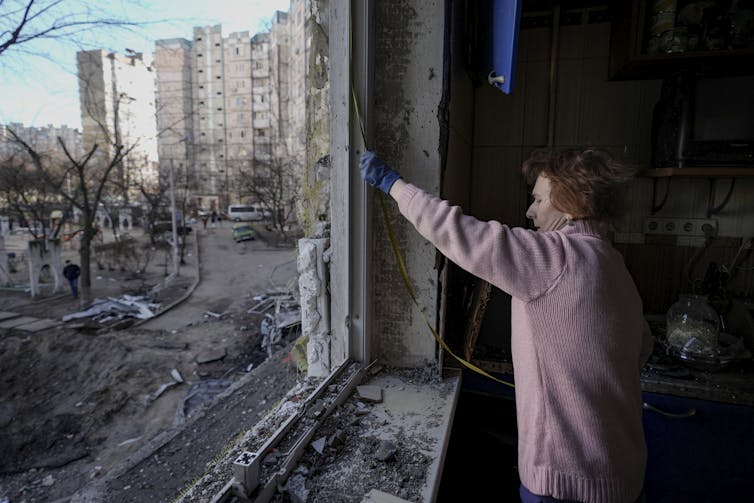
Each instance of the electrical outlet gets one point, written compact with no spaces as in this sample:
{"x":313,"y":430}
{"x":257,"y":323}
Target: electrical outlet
{"x":629,"y":237}
{"x":680,"y":226}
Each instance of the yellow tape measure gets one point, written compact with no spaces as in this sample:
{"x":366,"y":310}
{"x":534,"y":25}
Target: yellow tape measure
{"x":404,"y":271}
{"x":409,"y":288}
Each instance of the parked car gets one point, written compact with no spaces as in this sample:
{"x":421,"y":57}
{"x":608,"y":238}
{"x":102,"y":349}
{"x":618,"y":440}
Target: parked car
{"x":242,"y":232}
{"x":248,"y":212}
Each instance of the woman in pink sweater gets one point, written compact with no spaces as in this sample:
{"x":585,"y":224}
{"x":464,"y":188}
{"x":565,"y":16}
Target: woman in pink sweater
{"x":578,"y":335}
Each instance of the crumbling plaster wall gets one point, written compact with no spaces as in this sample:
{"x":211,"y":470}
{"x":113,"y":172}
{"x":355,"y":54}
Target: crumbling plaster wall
{"x":313,"y":205}
{"x":315,"y":303}
{"x":408,"y":65}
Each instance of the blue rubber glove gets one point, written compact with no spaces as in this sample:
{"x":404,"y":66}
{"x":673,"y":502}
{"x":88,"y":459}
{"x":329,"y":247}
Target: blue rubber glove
{"x":375,"y":172}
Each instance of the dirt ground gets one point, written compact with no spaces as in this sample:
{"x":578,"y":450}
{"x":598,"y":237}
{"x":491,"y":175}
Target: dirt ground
{"x":76,"y":404}
{"x":158,"y":412}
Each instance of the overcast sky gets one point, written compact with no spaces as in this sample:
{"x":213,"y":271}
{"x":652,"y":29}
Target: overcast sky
{"x":38,"y":84}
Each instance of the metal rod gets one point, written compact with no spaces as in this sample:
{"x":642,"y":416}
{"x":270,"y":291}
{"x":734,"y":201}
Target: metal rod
{"x":172,"y":219}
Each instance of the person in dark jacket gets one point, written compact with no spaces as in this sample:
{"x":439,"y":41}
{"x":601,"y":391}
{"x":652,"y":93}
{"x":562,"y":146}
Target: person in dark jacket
{"x":72,"y":272}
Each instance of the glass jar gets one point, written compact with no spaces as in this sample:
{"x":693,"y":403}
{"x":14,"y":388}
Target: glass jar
{"x":693,"y":326}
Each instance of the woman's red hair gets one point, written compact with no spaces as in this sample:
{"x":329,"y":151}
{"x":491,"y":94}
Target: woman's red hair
{"x":586,"y":183}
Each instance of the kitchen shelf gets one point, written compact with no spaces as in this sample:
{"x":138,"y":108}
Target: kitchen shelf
{"x":710,"y":173}
{"x":657,"y":66}
{"x":630,"y":61}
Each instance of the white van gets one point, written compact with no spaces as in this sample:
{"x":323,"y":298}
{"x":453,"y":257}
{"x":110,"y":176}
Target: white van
{"x":247,"y":212}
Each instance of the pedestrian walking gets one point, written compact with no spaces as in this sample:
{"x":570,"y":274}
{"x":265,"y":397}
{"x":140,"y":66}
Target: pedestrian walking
{"x":72,"y":272}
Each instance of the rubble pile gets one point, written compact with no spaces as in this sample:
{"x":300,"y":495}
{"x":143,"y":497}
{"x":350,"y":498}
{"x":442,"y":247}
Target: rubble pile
{"x":117,"y":308}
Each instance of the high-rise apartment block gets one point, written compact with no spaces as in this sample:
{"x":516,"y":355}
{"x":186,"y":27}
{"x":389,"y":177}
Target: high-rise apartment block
{"x":213,"y":110}
{"x":117,"y":97}
{"x":261,"y":97}
{"x":280,"y":80}
{"x":298,"y":68}
{"x":44,"y":140}
{"x":240,"y":117}
{"x":173,"y":64}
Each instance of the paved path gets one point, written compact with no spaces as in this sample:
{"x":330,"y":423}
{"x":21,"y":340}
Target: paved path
{"x":229,"y":275}
{"x":21,"y":323}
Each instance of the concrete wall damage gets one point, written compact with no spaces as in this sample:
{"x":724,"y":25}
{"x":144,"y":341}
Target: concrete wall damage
{"x":408,"y":57}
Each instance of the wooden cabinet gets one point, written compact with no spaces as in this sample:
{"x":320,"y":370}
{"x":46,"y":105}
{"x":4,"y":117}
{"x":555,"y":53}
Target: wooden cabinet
{"x":646,"y":45}
{"x":699,"y":451}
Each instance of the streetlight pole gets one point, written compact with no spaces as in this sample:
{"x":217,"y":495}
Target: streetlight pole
{"x":172,"y":218}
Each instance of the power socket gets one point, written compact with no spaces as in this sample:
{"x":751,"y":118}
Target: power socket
{"x":680,"y":226}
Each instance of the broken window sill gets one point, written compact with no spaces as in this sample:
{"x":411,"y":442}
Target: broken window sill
{"x":363,"y":429}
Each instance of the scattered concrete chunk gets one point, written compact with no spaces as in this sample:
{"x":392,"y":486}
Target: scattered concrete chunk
{"x":377,"y":496}
{"x":271,"y":458}
{"x":319,"y":444}
{"x":370,"y":393}
{"x":385,"y":451}
{"x":162,"y":389}
{"x":296,"y":488}
{"x":316,"y":409}
{"x":5,"y":315}
{"x":336,"y":438}
{"x":211,"y":356}
{"x":176,"y":375}
{"x":376,"y":369}
{"x":361,"y":409}
{"x":129,"y":441}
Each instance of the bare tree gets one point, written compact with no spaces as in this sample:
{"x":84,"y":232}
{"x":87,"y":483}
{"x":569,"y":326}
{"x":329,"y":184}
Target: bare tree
{"x":23,"y":22}
{"x":27,"y":196}
{"x":272,"y":183}
{"x":88,"y":176}
{"x":154,"y":201}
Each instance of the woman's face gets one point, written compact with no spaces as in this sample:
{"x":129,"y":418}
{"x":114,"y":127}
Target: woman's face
{"x":541,"y":212}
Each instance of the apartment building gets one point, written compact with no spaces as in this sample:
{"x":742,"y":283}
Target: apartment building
{"x":280,"y":81}
{"x":298,"y":68}
{"x":208,"y":94}
{"x":238,"y":51}
{"x":261,"y":97}
{"x":173,"y":65}
{"x":43,"y":139}
{"x":117,"y":98}
{"x":234,"y":89}
{"x":225,"y":104}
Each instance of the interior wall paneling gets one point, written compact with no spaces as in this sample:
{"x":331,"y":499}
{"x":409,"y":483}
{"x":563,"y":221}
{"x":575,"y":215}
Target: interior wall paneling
{"x":497,"y":116}
{"x":499,"y":190}
{"x":534,"y":44}
{"x":535,"y":99}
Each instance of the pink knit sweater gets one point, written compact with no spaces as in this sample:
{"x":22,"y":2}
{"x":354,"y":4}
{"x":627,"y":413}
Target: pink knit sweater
{"x":578,"y":340}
